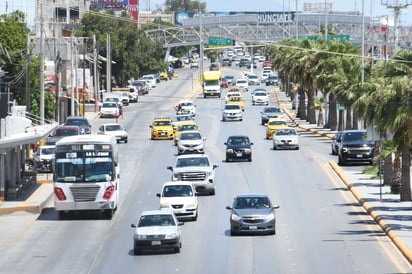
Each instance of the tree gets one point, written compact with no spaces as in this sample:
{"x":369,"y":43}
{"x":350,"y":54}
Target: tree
{"x":184,"y":5}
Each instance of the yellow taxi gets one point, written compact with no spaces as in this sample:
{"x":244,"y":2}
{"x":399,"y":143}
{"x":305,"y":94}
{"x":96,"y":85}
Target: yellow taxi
{"x":274,"y":124}
{"x":236,"y":100}
{"x":234,"y":92}
{"x":184,"y":126}
{"x":162,"y":128}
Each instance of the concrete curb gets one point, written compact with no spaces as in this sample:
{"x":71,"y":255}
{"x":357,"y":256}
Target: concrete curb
{"x":373,"y":213}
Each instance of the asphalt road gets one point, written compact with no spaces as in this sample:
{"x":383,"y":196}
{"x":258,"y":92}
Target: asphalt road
{"x":320,"y":226}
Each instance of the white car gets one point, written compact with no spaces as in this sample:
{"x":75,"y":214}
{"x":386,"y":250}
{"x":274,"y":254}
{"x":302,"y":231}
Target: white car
{"x":150,"y":79}
{"x":109,"y":109}
{"x":242,"y":83}
{"x":116,"y":130}
{"x":253,"y":79}
{"x":157,"y":230}
{"x":196,"y":168}
{"x":190,"y":141}
{"x":187,"y":107}
{"x":181,"y":198}
{"x":260,"y":97}
{"x":232,"y":112}
{"x":285,"y":138}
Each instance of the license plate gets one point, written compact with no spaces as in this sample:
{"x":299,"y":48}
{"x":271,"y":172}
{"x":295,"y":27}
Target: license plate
{"x":162,"y":134}
{"x":239,"y":154}
{"x":156,"y":243}
{"x":252,"y":227}
{"x":359,"y":155}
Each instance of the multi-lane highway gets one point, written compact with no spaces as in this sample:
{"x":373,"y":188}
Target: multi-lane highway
{"x":320,"y":226}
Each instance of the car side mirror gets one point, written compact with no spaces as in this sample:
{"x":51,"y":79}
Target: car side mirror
{"x":225,"y":143}
{"x":158,"y":195}
{"x":251,"y":143}
{"x":169,"y":168}
{"x":180,"y":223}
{"x":215,"y":166}
{"x":133,"y":225}
{"x":228,"y":207}
{"x":275,"y":207}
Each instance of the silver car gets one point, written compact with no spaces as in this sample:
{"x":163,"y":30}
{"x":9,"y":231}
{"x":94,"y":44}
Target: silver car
{"x":190,"y":141}
{"x":232,"y":112}
{"x":285,"y":138}
{"x":157,"y":230}
{"x":251,"y":214}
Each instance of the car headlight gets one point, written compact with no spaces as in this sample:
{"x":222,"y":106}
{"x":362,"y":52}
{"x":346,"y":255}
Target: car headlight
{"x":270,"y":216}
{"x":247,"y":150}
{"x":344,"y":149}
{"x":277,"y":141}
{"x":235,"y":217}
{"x":191,"y":205}
{"x":141,"y":237}
{"x":229,"y":150}
{"x":171,"y":236}
{"x":164,"y":205}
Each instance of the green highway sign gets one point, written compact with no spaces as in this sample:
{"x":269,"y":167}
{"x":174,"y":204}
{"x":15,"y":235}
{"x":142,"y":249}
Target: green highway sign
{"x":220,"y":41}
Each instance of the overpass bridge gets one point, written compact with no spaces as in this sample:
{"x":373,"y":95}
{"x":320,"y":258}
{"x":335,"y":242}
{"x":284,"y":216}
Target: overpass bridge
{"x":273,"y":27}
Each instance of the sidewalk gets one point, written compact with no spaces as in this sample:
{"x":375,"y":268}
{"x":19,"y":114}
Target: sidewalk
{"x":393,"y":216}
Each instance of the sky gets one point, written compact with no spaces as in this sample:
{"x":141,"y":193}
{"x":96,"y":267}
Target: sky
{"x":371,"y":7}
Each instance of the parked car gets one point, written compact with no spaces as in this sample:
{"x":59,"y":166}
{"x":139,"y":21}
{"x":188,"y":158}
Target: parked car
{"x":157,"y":230}
{"x":238,"y":147}
{"x":142,"y":87}
{"x":62,"y":131}
{"x":285,"y":138}
{"x":355,"y":147}
{"x":272,"y":80}
{"x":181,"y":198}
{"x":80,"y":121}
{"x":252,"y":213}
{"x":116,"y":130}
{"x":336,"y":140}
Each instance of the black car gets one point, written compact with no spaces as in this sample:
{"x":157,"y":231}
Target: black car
{"x":336,"y":140}
{"x":272,"y":80}
{"x":238,"y":147}
{"x":355,"y":147}
{"x":226,"y":62}
{"x":80,"y":121}
{"x":270,"y":112}
{"x":252,"y":213}
{"x":243,"y":62}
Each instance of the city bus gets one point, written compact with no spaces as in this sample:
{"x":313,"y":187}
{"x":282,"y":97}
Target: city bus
{"x":86,"y":174}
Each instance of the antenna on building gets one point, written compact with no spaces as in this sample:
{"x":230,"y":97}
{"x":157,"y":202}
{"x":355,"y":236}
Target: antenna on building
{"x":396,"y":5}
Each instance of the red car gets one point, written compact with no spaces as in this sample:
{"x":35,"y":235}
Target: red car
{"x":223,"y":83}
{"x":267,"y":64}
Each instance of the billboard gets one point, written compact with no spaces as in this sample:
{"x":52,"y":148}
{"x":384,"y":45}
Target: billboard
{"x":262,"y":17}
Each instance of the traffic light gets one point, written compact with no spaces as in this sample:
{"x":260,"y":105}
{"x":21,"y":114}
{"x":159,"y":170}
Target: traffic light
{"x":233,"y":42}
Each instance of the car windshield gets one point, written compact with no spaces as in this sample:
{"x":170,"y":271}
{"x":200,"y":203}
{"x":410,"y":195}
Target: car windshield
{"x":47,"y":151}
{"x":109,"y":105}
{"x":66,"y":132}
{"x":183,"y":118}
{"x":190,"y":136}
{"x":272,"y":109}
{"x":232,"y":107}
{"x":156,"y":220}
{"x":354,"y":136}
{"x":177,"y":191}
{"x":238,"y":141}
{"x":114,"y":127}
{"x":187,"y":127}
{"x":277,"y":123}
{"x":260,"y":94}
{"x":186,"y":104}
{"x":251,"y":202}
{"x":77,"y":122}
{"x":241,"y":81}
{"x":285,"y":132}
{"x":198,"y":161}
{"x":162,"y":123}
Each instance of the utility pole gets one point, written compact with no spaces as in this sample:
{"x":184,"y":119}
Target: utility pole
{"x":41,"y":66}
{"x":396,"y":6}
{"x":108,"y":64}
{"x":95,"y":79}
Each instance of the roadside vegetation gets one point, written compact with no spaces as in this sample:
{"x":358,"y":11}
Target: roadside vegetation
{"x":381,"y":98}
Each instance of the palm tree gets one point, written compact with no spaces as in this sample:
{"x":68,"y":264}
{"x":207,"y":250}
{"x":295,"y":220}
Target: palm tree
{"x":318,"y":105}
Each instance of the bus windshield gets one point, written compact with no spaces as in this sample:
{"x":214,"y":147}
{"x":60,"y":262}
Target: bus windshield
{"x":81,"y":167}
